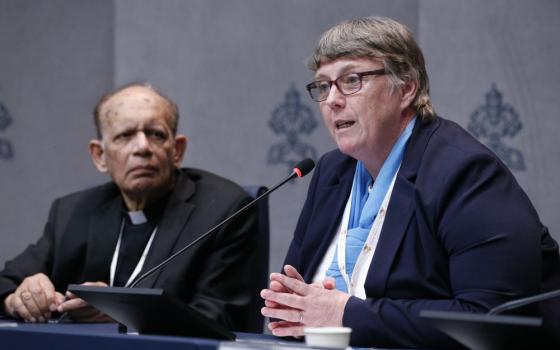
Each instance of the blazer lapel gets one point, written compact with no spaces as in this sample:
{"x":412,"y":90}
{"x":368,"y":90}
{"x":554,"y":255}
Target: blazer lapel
{"x":103,"y":233}
{"x":398,"y":217}
{"x":172,"y":223}
{"x":400,"y":210}
{"x":332,"y":196}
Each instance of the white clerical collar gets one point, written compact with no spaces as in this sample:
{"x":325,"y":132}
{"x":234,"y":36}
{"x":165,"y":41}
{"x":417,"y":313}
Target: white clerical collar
{"x":137,"y":217}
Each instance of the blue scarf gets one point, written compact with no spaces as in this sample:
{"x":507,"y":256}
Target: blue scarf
{"x":365,"y":204}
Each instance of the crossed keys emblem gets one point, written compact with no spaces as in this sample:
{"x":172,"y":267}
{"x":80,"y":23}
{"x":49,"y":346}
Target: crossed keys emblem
{"x":495,"y":121}
{"x":291,"y":119}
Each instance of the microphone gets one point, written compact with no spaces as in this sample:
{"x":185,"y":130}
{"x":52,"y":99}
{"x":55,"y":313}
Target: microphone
{"x":300,"y":170}
{"x":514,"y":304}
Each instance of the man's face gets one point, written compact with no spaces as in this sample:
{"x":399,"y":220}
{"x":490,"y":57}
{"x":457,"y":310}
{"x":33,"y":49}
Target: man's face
{"x":138,"y":149}
{"x":367,"y":122}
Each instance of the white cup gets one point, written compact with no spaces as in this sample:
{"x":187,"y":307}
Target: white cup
{"x":327,"y":337}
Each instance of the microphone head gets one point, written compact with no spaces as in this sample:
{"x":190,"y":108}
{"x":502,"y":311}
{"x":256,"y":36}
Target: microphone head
{"x":304,"y":167}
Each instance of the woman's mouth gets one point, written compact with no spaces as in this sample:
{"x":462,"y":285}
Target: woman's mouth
{"x":343,"y":124}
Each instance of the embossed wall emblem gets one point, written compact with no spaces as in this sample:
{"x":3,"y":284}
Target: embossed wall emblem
{"x":495,"y":121}
{"x":291,"y":119}
{"x":6,"y":150}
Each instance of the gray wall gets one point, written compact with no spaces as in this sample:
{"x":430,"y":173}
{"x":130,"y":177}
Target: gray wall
{"x":229,"y":65}
{"x":471,"y":45}
{"x":56,"y":58}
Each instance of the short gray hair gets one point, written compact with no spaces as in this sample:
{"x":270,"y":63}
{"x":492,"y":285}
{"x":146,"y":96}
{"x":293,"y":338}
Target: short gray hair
{"x":173,"y":109}
{"x":386,"y":40}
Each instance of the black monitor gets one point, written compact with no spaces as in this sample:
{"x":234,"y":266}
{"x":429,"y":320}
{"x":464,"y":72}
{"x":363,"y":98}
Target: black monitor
{"x":151,"y":311}
{"x":482,"y":331}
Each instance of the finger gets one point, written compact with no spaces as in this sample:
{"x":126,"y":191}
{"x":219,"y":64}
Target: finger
{"x":278,"y":324}
{"x":278,"y":287}
{"x":41,"y":300}
{"x":58,"y":299}
{"x":98,"y":284}
{"x":288,"y":299}
{"x":39,"y":297}
{"x":292,"y":272}
{"x":270,"y":303}
{"x":288,"y":331}
{"x":291,"y":283}
{"x":72,"y":304}
{"x":329,"y":283}
{"x":41,"y":290}
{"x":20,"y":310}
{"x":30,"y":305}
{"x":9,"y":305}
{"x":42,"y":312}
{"x":292,"y":315}
{"x":49,"y":292}
{"x":47,"y":288}
{"x":12,"y":303}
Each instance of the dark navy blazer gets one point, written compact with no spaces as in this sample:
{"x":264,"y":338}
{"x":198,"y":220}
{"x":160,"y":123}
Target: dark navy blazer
{"x":460,"y":234}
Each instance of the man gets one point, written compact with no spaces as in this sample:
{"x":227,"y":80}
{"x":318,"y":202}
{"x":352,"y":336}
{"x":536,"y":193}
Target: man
{"x":409,"y":213}
{"x":111,"y":234}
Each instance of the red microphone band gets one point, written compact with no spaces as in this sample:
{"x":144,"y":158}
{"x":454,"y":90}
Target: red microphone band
{"x":298,"y":172}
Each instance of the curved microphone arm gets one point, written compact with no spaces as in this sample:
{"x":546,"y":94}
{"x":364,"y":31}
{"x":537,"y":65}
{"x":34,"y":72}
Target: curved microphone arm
{"x":301,"y":169}
{"x":514,"y":304}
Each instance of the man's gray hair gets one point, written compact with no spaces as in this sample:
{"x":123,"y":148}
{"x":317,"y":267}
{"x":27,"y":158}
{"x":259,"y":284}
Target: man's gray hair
{"x":386,"y":40}
{"x":173,"y":109}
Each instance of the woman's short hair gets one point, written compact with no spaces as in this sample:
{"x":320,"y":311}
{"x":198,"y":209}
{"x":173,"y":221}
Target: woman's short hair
{"x":383,"y":39}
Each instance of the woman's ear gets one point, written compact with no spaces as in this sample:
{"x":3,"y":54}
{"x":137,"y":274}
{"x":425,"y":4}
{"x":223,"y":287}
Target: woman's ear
{"x":408,"y":93}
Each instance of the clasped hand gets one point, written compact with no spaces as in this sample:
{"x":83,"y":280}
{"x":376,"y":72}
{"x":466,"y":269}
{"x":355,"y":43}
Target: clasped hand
{"x":298,"y":304}
{"x":35,"y":300}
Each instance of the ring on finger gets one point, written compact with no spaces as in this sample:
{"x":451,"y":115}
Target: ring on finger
{"x":301,"y":317}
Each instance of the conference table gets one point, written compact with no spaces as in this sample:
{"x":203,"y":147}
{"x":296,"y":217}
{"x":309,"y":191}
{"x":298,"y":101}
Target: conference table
{"x":106,"y":336}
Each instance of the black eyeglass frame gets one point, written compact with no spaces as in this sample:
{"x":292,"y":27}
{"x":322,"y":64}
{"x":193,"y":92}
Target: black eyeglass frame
{"x":313,"y":84}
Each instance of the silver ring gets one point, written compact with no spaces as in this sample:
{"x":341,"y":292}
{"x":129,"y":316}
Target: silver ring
{"x":301,"y":317}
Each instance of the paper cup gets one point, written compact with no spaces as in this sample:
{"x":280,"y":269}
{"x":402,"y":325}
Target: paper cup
{"x":327,"y":337}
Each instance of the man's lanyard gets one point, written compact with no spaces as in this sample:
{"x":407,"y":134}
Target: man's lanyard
{"x":140,"y":264}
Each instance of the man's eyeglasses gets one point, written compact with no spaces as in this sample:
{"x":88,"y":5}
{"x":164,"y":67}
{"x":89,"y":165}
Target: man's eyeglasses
{"x":347,"y":84}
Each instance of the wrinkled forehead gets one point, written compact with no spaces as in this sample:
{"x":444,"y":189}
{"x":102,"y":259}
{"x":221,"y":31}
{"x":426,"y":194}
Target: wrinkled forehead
{"x":134,"y":101}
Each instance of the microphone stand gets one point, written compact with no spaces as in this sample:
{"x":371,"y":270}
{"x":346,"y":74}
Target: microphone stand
{"x":514,"y":304}
{"x":297,"y":172}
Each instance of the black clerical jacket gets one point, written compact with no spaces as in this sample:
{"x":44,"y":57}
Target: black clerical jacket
{"x":82,"y":230}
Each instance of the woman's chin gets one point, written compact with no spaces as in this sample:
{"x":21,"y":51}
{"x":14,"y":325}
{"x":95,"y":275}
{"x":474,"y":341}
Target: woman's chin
{"x":347,"y":148}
